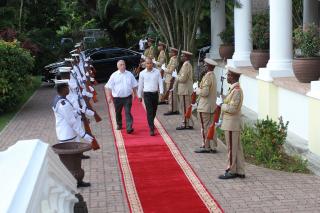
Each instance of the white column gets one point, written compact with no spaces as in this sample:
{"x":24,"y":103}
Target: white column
{"x":310,"y":12}
{"x":280,"y":62}
{"x":218,"y":24}
{"x":242,"y":35}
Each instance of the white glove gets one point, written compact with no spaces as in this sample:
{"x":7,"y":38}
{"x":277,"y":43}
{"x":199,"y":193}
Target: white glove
{"x":198,"y":90}
{"x":88,"y":94}
{"x":89,"y":112}
{"x":195,"y":86}
{"x":88,"y":138}
{"x":219,"y":101}
{"x":91,"y":89}
{"x":174,"y":74}
{"x":91,"y":79}
{"x":87,"y":74}
{"x":143,"y":57}
{"x":154,"y":61}
{"x":163,"y":67}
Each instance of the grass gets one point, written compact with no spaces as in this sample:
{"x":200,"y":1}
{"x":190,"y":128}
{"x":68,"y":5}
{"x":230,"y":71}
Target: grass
{"x":7,"y":116}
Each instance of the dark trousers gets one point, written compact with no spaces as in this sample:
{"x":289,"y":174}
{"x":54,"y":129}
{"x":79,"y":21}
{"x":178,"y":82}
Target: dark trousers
{"x":119,"y":103}
{"x":151,"y":102}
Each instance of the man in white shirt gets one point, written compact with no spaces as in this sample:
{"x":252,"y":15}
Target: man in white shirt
{"x":122,"y":88}
{"x":150,"y":83}
{"x":142,"y":44}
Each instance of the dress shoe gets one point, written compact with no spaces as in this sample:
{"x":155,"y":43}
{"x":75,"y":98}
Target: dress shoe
{"x":85,"y":156}
{"x":83,"y":184}
{"x":202,"y":150}
{"x":184,"y":127}
{"x":152,"y":132}
{"x":171,"y":113}
{"x":227,"y":175}
{"x":119,"y":127}
{"x":241,"y":176}
{"x":129,"y":131}
{"x":213,"y":151}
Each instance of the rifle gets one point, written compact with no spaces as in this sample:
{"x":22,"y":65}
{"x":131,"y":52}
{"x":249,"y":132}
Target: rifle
{"x":87,"y":101}
{"x":216,"y":116}
{"x":85,"y":120}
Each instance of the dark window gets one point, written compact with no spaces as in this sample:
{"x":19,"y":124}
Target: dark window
{"x":98,"y":56}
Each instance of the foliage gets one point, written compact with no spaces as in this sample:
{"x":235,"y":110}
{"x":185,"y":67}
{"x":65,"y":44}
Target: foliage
{"x":7,"y":17}
{"x":263,"y":145}
{"x":260,"y":31}
{"x":307,"y":40}
{"x":176,"y":21}
{"x":297,"y":13}
{"x":227,"y":35}
{"x":15,"y":66}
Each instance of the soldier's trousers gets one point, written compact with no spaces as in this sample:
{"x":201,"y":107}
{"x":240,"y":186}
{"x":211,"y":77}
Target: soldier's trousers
{"x":235,"y":152}
{"x":172,"y":99}
{"x":206,"y":119}
{"x":184,"y":102}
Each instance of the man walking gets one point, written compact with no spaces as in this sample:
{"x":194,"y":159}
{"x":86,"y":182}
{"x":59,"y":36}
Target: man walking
{"x":231,"y":124}
{"x":150,"y":83}
{"x":207,"y":92}
{"x":122,"y":88}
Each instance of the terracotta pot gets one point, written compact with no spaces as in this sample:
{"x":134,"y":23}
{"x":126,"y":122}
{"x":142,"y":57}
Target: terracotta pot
{"x":306,"y":69}
{"x":226,"y":51}
{"x":70,"y":155}
{"x":259,"y":58}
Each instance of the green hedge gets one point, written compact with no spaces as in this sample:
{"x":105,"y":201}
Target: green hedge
{"x":16,"y":65}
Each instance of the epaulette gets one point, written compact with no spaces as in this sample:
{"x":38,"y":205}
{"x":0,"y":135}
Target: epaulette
{"x":63,"y":102}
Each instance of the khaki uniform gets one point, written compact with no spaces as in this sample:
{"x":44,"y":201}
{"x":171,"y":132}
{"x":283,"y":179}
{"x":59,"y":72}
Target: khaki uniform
{"x":162,"y":60}
{"x":185,"y":89}
{"x":173,"y":99}
{"x":231,"y":124}
{"x":207,"y":106}
{"x":149,"y":52}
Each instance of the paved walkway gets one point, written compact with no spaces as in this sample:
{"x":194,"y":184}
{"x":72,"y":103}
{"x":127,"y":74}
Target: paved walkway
{"x":263,"y":190}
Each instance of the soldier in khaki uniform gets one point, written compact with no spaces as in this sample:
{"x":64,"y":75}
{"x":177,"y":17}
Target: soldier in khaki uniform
{"x":149,"y":52}
{"x":172,"y":99}
{"x":231,"y":124}
{"x":161,"y":60}
{"x":207,"y":92}
{"x":184,"y":81}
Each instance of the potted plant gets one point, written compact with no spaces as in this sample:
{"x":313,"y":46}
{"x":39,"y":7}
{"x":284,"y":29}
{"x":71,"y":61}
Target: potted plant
{"x":226,"y":49}
{"x":259,"y":56}
{"x":306,"y":62}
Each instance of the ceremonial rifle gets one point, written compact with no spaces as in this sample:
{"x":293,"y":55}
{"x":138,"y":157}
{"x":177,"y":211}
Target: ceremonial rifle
{"x":85,"y":120}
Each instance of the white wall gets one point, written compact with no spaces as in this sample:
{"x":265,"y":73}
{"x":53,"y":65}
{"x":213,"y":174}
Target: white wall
{"x":250,"y":92}
{"x":294,"y":107}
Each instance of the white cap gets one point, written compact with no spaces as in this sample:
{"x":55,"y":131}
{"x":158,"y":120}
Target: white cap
{"x":186,"y":52}
{"x":62,"y":81}
{"x":75,"y":55}
{"x":64,"y":69}
{"x":69,"y":59}
{"x":77,"y":45}
{"x":210,"y":61}
{"x":73,"y":51}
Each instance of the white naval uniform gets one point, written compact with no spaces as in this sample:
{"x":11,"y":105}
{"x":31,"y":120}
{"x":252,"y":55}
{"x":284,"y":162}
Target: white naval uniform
{"x":68,"y":121}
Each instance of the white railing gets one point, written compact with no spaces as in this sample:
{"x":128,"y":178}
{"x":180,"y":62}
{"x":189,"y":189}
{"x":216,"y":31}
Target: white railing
{"x":33,"y":179}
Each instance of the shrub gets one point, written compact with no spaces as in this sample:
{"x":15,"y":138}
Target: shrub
{"x":263,"y":145}
{"x":307,"y":40}
{"x":227,"y":36}
{"x":15,"y":67}
{"x":260,"y":31}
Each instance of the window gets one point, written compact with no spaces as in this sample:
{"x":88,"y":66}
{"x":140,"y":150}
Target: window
{"x":98,"y":56}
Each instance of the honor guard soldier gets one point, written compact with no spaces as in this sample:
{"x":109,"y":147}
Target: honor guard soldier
{"x":161,"y":60}
{"x":231,"y":124}
{"x":169,"y":80}
{"x":207,"y":93}
{"x":149,"y":52}
{"x":184,"y":81}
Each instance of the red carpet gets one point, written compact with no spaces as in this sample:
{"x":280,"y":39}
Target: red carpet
{"x":156,"y":176}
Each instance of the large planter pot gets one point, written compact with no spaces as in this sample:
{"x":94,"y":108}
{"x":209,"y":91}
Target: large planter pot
{"x":259,"y":58}
{"x":70,"y":155}
{"x":306,"y":69}
{"x":226,"y":51}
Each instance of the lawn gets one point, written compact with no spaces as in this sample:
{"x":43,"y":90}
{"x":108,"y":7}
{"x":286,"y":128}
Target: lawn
{"x":7,"y":116}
